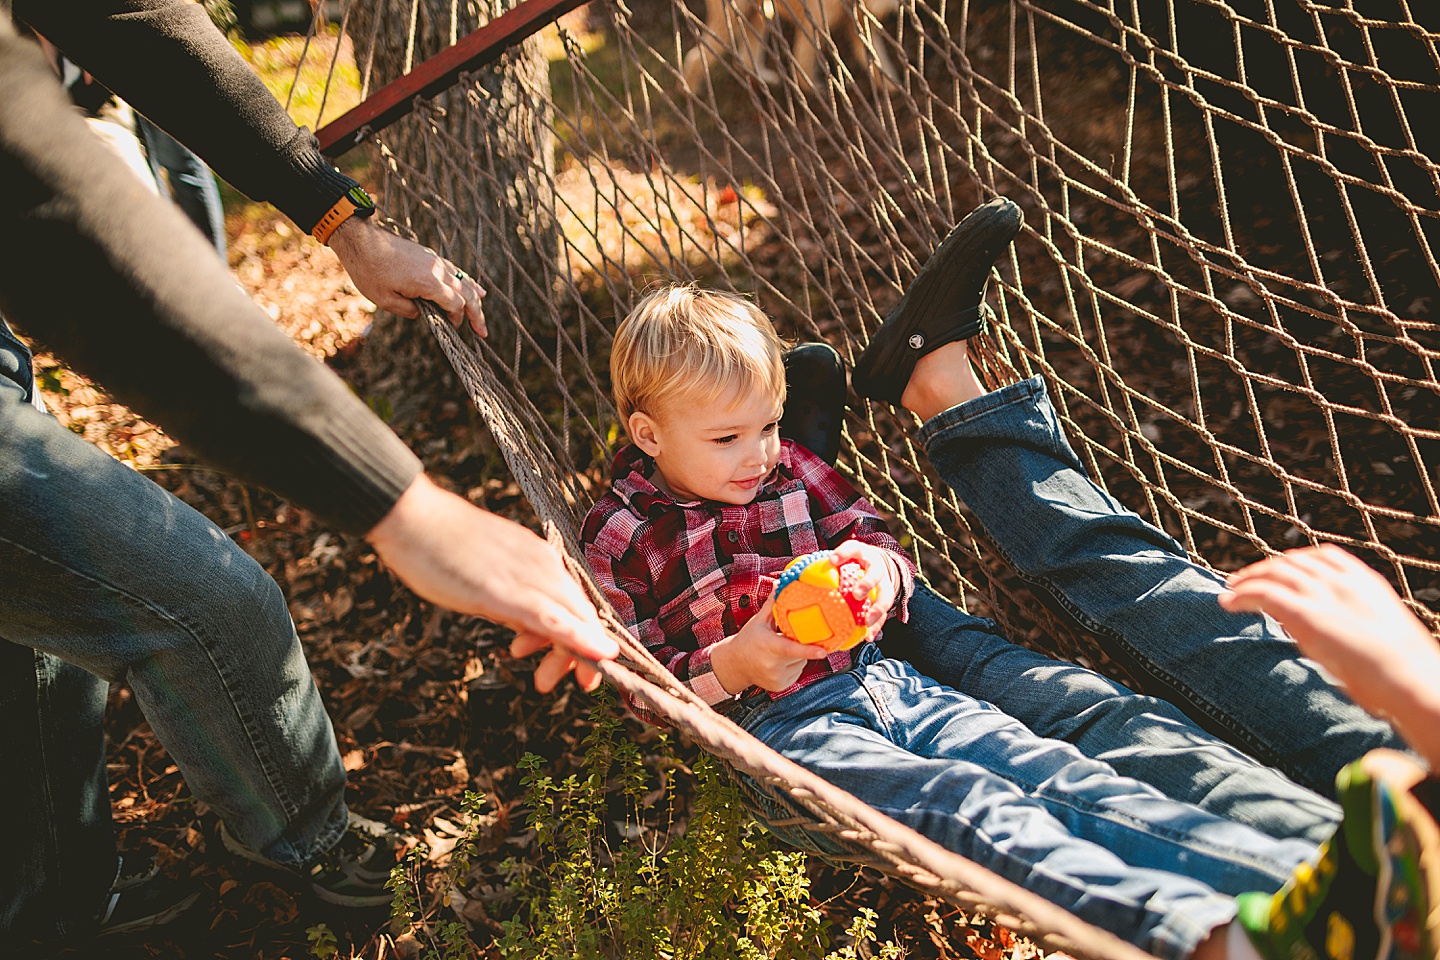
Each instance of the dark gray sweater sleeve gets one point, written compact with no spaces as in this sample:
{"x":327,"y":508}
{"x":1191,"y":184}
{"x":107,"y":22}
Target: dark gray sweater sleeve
{"x":167,"y":60}
{"x":121,"y":285}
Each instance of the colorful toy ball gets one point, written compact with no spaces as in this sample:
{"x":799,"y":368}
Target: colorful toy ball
{"x":813,"y":603}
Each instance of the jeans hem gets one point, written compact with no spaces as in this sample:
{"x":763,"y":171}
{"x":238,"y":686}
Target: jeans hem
{"x":934,"y":430}
{"x":1178,"y":937}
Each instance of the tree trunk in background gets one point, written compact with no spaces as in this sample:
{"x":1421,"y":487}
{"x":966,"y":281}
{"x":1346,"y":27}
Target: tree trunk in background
{"x":470,"y":173}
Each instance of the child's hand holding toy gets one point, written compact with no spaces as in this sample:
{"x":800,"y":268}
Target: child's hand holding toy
{"x":826,"y":601}
{"x":757,"y":656}
{"x":882,"y":575}
{"x":836,"y":598}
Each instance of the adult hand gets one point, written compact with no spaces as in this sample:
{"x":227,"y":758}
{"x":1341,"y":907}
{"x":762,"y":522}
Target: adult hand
{"x":1346,"y":616}
{"x":758,"y":655}
{"x":393,"y":272}
{"x":471,"y":561}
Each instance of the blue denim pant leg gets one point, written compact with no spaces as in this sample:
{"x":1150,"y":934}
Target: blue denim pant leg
{"x":61,"y":854}
{"x":1237,"y":675}
{"x":107,"y":575}
{"x":1139,"y":736}
{"x":192,"y":185}
{"x":1113,"y":851}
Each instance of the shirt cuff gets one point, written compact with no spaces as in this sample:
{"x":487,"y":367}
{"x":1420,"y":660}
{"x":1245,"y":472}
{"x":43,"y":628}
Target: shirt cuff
{"x":906,"y":590}
{"x":703,"y":681}
{"x":316,"y":187}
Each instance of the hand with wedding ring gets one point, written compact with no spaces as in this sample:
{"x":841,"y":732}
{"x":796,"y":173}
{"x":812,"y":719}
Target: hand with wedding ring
{"x":393,"y":272}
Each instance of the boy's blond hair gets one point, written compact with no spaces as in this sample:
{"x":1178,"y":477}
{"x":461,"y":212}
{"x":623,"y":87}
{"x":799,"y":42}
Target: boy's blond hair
{"x":682,"y":342}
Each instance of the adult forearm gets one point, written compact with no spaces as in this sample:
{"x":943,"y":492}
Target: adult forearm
{"x":122,"y":286}
{"x":168,"y":61}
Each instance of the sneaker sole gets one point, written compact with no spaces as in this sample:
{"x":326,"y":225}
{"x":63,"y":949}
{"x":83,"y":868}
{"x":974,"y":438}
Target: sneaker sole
{"x":355,"y":903}
{"x":151,"y":922}
{"x":324,"y":893}
{"x":245,"y":853}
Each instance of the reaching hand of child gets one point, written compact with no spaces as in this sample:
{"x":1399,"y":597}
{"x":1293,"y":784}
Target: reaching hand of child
{"x":880,"y":573}
{"x":758,"y":655}
{"x":1346,"y":616}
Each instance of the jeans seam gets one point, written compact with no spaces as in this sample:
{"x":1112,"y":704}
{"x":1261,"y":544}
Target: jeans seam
{"x":1179,"y":838}
{"x":281,"y":795}
{"x":882,"y":713}
{"x":1262,"y":752}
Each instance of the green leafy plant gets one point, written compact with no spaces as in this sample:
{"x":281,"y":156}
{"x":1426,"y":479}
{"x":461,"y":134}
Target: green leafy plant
{"x":322,"y":941}
{"x":715,"y":889}
{"x":710,"y":888}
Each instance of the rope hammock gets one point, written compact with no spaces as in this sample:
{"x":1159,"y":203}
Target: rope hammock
{"x":1226,"y":276}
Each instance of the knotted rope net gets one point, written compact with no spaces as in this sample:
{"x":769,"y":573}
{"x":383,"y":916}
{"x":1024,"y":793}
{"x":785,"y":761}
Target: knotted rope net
{"x":1226,"y":276}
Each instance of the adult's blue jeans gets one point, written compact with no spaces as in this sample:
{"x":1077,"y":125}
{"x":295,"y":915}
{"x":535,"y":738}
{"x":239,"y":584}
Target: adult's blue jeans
{"x":191,"y":183}
{"x":105,"y":577}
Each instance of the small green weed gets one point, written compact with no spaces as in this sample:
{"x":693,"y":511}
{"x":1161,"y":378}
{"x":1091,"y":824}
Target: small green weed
{"x":710,"y":889}
{"x":322,"y":941}
{"x":715,"y":889}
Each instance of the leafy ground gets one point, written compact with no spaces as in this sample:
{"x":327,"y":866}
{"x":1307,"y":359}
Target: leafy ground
{"x":426,"y":704}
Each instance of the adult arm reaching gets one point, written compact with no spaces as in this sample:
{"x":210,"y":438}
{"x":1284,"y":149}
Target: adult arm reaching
{"x":516,"y":579}
{"x":169,"y":61}
{"x":1347,"y":617}
{"x":116,"y":281}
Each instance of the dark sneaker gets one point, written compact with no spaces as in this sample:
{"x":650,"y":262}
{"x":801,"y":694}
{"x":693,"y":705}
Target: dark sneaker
{"x":943,"y":305}
{"x":814,"y":399}
{"x":352,"y":873}
{"x":140,"y":899}
{"x":1374,"y":894}
{"x":135,"y":868}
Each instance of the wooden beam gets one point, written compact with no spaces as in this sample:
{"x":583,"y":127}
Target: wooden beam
{"x":439,"y":73}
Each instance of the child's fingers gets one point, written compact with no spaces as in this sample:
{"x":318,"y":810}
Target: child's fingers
{"x":1283,"y":570}
{"x":1339,"y":559}
{"x":863,"y":586}
{"x":1314,"y":564}
{"x":1257,"y":569}
{"x":783,"y":647}
{"x":870,"y":559}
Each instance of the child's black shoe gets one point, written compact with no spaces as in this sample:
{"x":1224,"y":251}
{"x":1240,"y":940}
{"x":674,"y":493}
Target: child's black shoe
{"x":814,"y":399}
{"x":943,"y":305}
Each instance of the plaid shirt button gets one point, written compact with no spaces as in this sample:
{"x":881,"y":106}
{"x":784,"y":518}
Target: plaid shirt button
{"x":733,"y":536}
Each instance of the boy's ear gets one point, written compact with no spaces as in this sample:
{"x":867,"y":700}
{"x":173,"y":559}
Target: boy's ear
{"x":644,"y":432}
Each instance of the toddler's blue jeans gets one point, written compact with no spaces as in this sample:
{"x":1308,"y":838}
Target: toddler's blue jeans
{"x":1113,"y":805}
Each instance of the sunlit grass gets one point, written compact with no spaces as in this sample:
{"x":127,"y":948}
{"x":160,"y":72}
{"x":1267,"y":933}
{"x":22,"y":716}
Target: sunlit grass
{"x":320,"y":90}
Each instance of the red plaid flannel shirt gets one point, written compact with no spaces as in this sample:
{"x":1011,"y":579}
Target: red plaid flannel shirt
{"x":684,"y":575}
